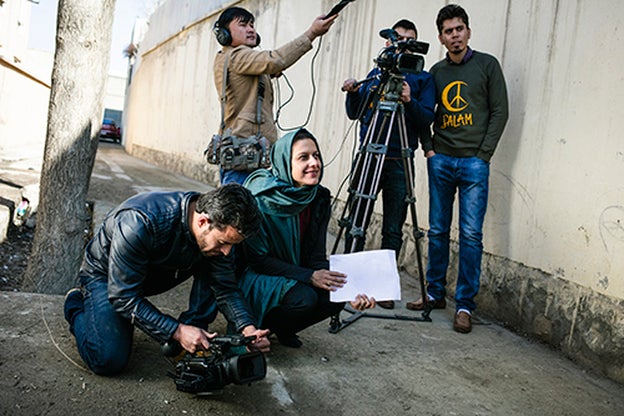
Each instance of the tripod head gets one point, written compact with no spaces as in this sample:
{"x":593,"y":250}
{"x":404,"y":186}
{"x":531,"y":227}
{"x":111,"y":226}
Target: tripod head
{"x":390,"y":89}
{"x":401,"y":56}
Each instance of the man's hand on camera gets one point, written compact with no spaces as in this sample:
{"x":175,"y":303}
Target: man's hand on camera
{"x":406,"y":93}
{"x":350,"y":85}
{"x":319,"y":27}
{"x":362,"y":302}
{"x":261,"y":343}
{"x":192,"y":338}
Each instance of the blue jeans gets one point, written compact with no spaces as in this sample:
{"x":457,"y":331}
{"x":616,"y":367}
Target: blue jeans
{"x":470,"y":176}
{"x":104,"y":337}
{"x":394,"y":190}
{"x":233,"y":176}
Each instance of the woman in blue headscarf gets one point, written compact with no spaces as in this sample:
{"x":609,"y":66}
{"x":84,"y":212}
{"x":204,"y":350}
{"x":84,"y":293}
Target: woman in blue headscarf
{"x":287,"y":280}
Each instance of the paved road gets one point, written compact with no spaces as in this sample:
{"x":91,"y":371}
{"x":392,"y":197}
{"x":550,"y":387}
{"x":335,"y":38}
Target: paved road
{"x":374,"y":367}
{"x":117,"y":176}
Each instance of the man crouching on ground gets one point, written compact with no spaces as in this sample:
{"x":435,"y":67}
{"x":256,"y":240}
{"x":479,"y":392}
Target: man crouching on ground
{"x":149,"y":244}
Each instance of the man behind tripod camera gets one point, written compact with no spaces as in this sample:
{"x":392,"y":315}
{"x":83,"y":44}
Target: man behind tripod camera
{"x":418,"y":100}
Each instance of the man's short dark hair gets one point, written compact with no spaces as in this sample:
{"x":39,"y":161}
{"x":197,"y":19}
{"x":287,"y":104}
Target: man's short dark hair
{"x":231,"y":205}
{"x":234,"y":13}
{"x":451,"y":11}
{"x":407,"y":25}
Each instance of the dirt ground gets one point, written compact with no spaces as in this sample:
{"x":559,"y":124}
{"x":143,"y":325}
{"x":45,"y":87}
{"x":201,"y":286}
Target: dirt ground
{"x":14,"y":252}
{"x":373,"y":367}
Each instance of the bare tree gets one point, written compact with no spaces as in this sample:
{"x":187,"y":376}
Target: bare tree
{"x":83,"y":40}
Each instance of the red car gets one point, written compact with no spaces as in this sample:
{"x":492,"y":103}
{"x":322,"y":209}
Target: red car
{"x":110,"y":130}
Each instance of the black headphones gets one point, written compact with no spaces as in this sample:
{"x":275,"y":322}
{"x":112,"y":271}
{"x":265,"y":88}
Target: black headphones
{"x":224,"y":37}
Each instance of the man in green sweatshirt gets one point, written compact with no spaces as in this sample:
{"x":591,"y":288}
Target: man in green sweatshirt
{"x":471,"y":114}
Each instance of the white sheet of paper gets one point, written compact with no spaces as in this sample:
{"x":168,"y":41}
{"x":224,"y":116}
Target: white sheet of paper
{"x":373,"y":273}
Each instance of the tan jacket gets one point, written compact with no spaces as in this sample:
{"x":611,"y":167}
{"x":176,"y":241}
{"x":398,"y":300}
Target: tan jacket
{"x":244,"y":67}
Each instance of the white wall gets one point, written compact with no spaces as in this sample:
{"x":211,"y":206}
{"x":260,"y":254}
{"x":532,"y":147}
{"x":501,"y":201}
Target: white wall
{"x":24,"y":88}
{"x":25,"y":78}
{"x":115,"y":92}
{"x":557,"y":199}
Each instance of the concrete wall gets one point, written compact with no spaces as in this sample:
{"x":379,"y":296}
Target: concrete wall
{"x":24,"y":87}
{"x":25,"y":78}
{"x":554,"y":234}
{"x":23,"y":112}
{"x":115,"y":92}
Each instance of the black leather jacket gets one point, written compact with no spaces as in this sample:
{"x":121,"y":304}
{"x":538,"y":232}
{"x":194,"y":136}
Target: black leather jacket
{"x":144,"y":248}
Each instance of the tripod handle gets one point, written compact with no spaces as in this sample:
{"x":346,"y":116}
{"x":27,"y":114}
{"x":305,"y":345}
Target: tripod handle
{"x":358,"y":83}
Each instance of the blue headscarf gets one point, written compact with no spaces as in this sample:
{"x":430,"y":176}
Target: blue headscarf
{"x":281,"y":201}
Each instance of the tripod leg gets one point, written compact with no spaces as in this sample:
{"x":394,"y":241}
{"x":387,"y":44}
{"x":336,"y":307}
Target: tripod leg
{"x":336,"y":325}
{"x":356,"y":185}
{"x":343,"y":223}
{"x":373,"y":153}
{"x":345,"y":220}
{"x":367,"y":173}
{"x":408,"y":169}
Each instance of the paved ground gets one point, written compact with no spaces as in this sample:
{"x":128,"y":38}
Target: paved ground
{"x":374,"y":367}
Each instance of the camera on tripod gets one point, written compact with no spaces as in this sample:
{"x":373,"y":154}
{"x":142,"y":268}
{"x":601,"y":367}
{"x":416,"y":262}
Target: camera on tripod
{"x":401,"y":55}
{"x":208,"y":372}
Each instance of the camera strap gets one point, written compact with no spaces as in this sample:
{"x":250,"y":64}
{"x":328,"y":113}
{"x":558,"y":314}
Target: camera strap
{"x":224,"y":97}
{"x":259,"y":104}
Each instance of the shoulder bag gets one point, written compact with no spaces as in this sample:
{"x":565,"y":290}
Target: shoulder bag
{"x":236,"y":153}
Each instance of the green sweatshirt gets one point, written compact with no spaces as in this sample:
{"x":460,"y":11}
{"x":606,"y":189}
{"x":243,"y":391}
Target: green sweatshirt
{"x":472,"y":107}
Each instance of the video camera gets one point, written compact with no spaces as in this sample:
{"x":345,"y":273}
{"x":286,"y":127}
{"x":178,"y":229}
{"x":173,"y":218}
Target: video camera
{"x":396,"y":58}
{"x":208,"y":372}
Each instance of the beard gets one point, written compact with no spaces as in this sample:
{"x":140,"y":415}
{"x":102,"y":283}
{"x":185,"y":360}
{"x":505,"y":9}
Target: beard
{"x":205,"y":247}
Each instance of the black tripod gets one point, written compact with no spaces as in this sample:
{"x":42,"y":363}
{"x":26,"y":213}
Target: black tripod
{"x":364,"y":184}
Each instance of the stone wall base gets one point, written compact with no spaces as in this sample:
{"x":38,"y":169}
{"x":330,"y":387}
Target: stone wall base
{"x":585,"y":325}
{"x":200,"y":171}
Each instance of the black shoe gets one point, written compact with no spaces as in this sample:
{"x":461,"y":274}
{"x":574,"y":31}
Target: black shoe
{"x":289,"y":340}
{"x":419,"y":305}
{"x":386,"y":304}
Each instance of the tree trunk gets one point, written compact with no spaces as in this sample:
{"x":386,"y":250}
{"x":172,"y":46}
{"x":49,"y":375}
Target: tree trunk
{"x":83,"y":41}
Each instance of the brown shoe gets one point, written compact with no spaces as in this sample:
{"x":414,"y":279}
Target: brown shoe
{"x":462,"y":322}
{"x":386,"y":304}
{"x":419,"y":305}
